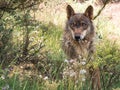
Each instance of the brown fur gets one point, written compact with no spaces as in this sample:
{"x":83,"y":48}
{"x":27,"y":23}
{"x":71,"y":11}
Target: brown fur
{"x":95,"y":78}
{"x":76,"y":24}
{"x":73,"y":48}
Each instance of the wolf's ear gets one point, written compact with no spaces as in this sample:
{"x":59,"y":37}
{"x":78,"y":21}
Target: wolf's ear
{"x":70,"y":11}
{"x":89,"y":12}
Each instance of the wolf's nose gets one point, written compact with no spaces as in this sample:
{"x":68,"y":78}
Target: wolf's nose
{"x":77,"y":38}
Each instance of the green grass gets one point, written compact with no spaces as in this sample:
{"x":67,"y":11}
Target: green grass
{"x":14,"y":83}
{"x":53,"y":42}
{"x":107,"y":54}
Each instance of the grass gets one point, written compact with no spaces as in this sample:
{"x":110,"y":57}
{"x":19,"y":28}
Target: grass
{"x":107,"y":57}
{"x":53,"y":42}
{"x":14,"y":83}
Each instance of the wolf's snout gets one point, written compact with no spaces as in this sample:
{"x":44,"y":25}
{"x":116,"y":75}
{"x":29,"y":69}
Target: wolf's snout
{"x":77,"y":38}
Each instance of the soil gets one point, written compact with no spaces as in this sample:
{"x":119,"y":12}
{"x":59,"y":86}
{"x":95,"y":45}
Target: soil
{"x":113,"y":12}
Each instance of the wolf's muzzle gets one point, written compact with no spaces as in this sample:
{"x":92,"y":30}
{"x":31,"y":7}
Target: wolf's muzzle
{"x":77,"y":38}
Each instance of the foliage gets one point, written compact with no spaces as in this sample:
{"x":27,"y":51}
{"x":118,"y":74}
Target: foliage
{"x":15,"y":37}
{"x":30,"y":51}
{"x":109,"y":63}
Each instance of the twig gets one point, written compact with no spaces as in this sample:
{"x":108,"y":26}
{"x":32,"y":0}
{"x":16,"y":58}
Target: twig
{"x":1,"y":15}
{"x":99,"y":12}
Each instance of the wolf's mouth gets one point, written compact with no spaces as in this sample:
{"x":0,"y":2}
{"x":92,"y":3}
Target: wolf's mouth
{"x":77,"y":38}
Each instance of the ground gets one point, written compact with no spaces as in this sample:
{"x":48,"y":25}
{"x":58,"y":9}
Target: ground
{"x":113,"y":12}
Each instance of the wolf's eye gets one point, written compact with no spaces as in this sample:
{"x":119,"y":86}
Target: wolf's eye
{"x":84,"y":25}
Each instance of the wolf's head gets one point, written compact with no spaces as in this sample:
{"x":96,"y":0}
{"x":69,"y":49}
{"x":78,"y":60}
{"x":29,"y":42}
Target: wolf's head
{"x":80,"y":24}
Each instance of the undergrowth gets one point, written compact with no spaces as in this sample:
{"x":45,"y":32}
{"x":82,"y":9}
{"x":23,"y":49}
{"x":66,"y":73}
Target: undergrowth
{"x":51,"y":72}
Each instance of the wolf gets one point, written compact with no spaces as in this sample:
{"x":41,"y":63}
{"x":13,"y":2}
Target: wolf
{"x":78,"y":39}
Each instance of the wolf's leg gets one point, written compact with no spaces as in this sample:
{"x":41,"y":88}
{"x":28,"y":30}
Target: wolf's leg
{"x":95,"y":77}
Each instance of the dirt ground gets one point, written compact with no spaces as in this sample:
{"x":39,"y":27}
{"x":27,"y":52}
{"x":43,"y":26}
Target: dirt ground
{"x":113,"y":12}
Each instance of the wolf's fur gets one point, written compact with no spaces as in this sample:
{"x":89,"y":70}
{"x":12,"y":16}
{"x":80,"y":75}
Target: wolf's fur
{"x":84,"y":47}
{"x":78,"y":37}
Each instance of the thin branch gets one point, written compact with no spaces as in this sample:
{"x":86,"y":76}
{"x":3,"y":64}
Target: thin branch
{"x":31,"y":5}
{"x":99,"y":12}
{"x":1,"y":15}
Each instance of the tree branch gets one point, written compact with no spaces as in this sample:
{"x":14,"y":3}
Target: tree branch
{"x":99,"y":12}
{"x":1,"y":14}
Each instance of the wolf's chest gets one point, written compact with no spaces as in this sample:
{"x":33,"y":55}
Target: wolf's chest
{"x":81,"y":48}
